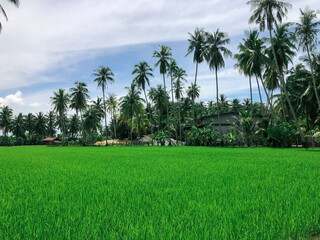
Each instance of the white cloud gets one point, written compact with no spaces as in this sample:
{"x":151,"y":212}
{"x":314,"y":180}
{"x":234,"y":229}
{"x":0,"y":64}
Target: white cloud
{"x":13,"y":100}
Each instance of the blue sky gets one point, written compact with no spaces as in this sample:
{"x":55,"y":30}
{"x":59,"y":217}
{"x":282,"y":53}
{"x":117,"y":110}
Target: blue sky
{"x":50,"y":44}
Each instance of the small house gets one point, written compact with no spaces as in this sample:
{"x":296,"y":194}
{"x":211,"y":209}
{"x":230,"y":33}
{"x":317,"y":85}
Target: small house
{"x":226,"y":121}
{"x":51,"y":141}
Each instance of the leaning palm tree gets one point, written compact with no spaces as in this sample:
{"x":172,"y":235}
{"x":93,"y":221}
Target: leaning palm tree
{"x":307,"y":31}
{"x":5,"y":119}
{"x":104,"y":75}
{"x":197,"y":43}
{"x":143,"y":72}
{"x":214,"y":55}
{"x":60,"y":102}
{"x":267,"y":14}
{"x":164,"y":56}
{"x":15,"y":2}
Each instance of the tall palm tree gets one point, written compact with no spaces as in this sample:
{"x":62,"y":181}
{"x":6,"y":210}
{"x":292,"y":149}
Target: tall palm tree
{"x":79,"y":97}
{"x":307,"y":31}
{"x":143,"y":72}
{"x":172,"y":69}
{"x":5,"y":119}
{"x":197,"y":43}
{"x":104,"y":76}
{"x":60,"y":102}
{"x":112,"y":104}
{"x":258,"y":60}
{"x":40,"y":126}
{"x":215,"y":53}
{"x":15,"y":2}
{"x":131,"y":105}
{"x":267,"y":14}
{"x":242,"y":63}
{"x":180,"y":77}
{"x":164,"y":55}
{"x":29,"y":124}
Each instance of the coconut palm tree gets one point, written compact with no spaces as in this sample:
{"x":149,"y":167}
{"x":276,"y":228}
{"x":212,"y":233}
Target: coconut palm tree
{"x":159,"y":98}
{"x":60,"y":102}
{"x":40,"y":126}
{"x":15,"y":2}
{"x":112,"y":104}
{"x":242,"y":60}
{"x":51,"y":122}
{"x":131,"y":105}
{"x":180,"y":77}
{"x":29,"y":124}
{"x":104,"y":76}
{"x":267,"y":14}
{"x":140,"y":123}
{"x":74,"y":125}
{"x":214,"y":55}
{"x":5,"y":119}
{"x":307,"y":31}
{"x":164,"y":56}
{"x":92,"y":119}
{"x":197,"y":43}
{"x":79,"y":96}
{"x":172,"y":68}
{"x":193,"y":91}
{"x":143,"y":72}
{"x":18,"y":126}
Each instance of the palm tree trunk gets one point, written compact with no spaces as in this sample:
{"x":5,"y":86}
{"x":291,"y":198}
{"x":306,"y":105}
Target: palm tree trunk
{"x":114,"y":124}
{"x":250,"y":90}
{"x":145,"y":96}
{"x":268,"y":98}
{"x":105,"y":115}
{"x":193,"y":97}
{"x":174,"y":109}
{"x":165,"y":90}
{"x":218,"y":111}
{"x":180,"y":122}
{"x":313,"y":77}
{"x":131,"y":121}
{"x":285,"y":88}
{"x":259,"y":90}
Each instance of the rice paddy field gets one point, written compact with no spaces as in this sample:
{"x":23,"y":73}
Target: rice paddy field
{"x":159,"y":193}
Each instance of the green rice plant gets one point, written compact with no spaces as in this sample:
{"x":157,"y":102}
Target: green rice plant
{"x":159,"y":193}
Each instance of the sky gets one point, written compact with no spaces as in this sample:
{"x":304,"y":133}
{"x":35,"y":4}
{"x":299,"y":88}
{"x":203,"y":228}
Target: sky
{"x":47,"y":45}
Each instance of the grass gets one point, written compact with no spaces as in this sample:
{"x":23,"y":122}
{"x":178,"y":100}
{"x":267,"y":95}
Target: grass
{"x":159,"y":193}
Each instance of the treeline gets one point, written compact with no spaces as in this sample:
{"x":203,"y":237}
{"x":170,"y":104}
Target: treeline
{"x":170,"y":111}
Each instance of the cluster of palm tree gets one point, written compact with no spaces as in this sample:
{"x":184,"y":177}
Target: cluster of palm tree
{"x":291,"y":92}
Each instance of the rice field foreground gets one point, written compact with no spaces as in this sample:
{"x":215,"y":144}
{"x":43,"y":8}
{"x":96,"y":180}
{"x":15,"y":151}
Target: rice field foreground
{"x":159,"y":193}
